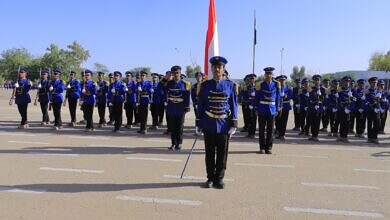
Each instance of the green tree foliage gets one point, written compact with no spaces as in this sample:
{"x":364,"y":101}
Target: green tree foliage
{"x":191,"y":70}
{"x":380,"y":62}
{"x":137,"y":70}
{"x":98,"y":67}
{"x":10,"y":61}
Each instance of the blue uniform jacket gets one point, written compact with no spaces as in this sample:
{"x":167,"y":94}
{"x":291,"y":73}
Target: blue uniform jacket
{"x":43,"y":91}
{"x":101,"y":92}
{"x":286,"y":95}
{"x":178,"y":97}
{"x":73,"y":89}
{"x":89,"y":96}
{"x":217,"y":106}
{"x":58,"y":88}
{"x":116,"y":92}
{"x":21,"y":94}
{"x":156,"y":99}
{"x":345,"y":100}
{"x":373,"y":100}
{"x":316,"y":98}
{"x":359,"y":102}
{"x":131,"y":93}
{"x":267,"y":101}
{"x":144,"y":92}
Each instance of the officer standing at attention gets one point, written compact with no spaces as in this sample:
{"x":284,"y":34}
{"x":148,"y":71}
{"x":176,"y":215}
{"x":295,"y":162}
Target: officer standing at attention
{"x":245,"y":104}
{"x":89,"y":98}
{"x":155,"y":102}
{"x":296,"y":93}
{"x":178,"y":100}
{"x":268,"y":106}
{"x":325,"y":116}
{"x":344,"y":108}
{"x":286,"y":95}
{"x":331,"y":102}
{"x":131,"y":99}
{"x":111,"y":80}
{"x":21,"y":96}
{"x":116,"y":97}
{"x":304,"y":106}
{"x":144,"y":94}
{"x":160,"y":93}
{"x":43,"y":96}
{"x":360,"y":108}
{"x":73,"y":93}
{"x":194,"y":97}
{"x":316,"y":99}
{"x":101,"y":98}
{"x":56,"y":89}
{"x":249,"y":96}
{"x":373,"y":97}
{"x":217,"y":111}
{"x":384,"y":103}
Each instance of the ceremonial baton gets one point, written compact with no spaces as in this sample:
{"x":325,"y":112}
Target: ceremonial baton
{"x":188,"y":158}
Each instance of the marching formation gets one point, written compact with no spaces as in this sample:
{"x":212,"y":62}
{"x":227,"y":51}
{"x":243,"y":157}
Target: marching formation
{"x":340,"y":105}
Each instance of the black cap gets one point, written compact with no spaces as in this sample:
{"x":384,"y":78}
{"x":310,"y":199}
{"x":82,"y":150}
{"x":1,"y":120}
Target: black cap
{"x":281,"y":77}
{"x":88,"y":71}
{"x":110,"y":75}
{"x":175,"y":68}
{"x":218,"y":60}
{"x":316,"y":77}
{"x":361,"y":81}
{"x":117,"y":73}
{"x":57,"y":71}
{"x":23,"y":70}
{"x":129,"y":73}
{"x":346,"y":78}
{"x":155,"y":74}
{"x":143,"y":72}
{"x":45,"y":71}
{"x":72,"y":73}
{"x":100,"y":73}
{"x":269,"y":70}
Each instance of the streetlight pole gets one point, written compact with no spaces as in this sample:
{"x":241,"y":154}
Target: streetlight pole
{"x":281,"y":60}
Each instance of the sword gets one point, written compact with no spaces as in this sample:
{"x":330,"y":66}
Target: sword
{"x":189,"y":156}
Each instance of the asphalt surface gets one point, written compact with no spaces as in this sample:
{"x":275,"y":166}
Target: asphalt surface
{"x":71,"y":174}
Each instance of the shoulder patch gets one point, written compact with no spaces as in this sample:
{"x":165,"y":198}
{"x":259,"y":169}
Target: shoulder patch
{"x":188,"y":85}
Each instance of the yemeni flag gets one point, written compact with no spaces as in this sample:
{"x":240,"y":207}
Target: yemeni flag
{"x":212,"y":46}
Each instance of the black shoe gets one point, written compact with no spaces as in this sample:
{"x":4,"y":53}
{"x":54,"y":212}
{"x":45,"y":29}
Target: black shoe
{"x":219,"y":184}
{"x":250,"y":136}
{"x":167,"y":132}
{"x":244,"y":130}
{"x":208,"y":184}
{"x":261,"y":152}
{"x":268,"y":152}
{"x":296,"y":129}
{"x":178,"y":147}
{"x":172,"y":148}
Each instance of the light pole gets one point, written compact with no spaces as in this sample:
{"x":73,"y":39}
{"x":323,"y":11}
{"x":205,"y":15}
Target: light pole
{"x":281,"y":60}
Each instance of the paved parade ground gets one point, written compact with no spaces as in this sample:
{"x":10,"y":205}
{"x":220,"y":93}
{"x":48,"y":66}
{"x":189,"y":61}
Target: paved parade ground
{"x":71,"y":174}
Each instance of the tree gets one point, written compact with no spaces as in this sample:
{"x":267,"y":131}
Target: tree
{"x":298,"y":73}
{"x":191,"y":70}
{"x":137,"y":70}
{"x":380,"y":62}
{"x":11,"y":59}
{"x":98,"y":67}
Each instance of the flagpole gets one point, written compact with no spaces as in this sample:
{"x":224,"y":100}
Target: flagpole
{"x":254,"y":43}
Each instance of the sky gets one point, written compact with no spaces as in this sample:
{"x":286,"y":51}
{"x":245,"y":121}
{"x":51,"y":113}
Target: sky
{"x":323,"y":35}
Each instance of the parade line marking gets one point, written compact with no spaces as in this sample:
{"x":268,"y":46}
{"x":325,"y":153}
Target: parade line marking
{"x":264,"y":165}
{"x":193,"y":178}
{"x":153,"y":159}
{"x":334,"y":212}
{"x":28,"y":142}
{"x":16,"y":190}
{"x":304,"y":156}
{"x":338,"y":148}
{"x":373,"y":171}
{"x":71,"y":170}
{"x":330,"y":185}
{"x":16,"y":134}
{"x":49,"y":154}
{"x":159,"y":200}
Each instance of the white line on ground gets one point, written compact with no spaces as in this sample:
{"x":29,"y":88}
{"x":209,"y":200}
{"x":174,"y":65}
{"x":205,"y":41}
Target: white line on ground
{"x":193,"y":178}
{"x":104,"y":145}
{"x":71,"y":170}
{"x":373,"y":171}
{"x":330,"y":185}
{"x":264,"y":165}
{"x":153,"y":159}
{"x":49,"y":154}
{"x":16,"y":134}
{"x":28,"y":142}
{"x":338,"y":148}
{"x":335,"y":212}
{"x":15,"y":190}
{"x":304,"y":156}
{"x":87,"y":137}
{"x":159,"y":141}
{"x":159,"y":200}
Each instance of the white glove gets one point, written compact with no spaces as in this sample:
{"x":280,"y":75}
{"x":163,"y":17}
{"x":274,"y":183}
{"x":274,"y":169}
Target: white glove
{"x":307,"y":94}
{"x":166,"y":103}
{"x":16,"y":85}
{"x":361,"y":110}
{"x":385,"y":100}
{"x":327,"y":96}
{"x":139,"y":88}
{"x":97,"y":87}
{"x":336,"y":95}
{"x":126,"y":89}
{"x":381,"y":110}
{"x":84,"y":91}
{"x":297,"y":105}
{"x":151,"y":90}
{"x":197,"y":131}
{"x":113,"y":90}
{"x":334,"y":110}
{"x":51,"y":88}
{"x":282,"y":94}
{"x":347,"y":111}
{"x":137,"y":104}
{"x":110,"y":104}
{"x":378,"y":95}
{"x":253,"y":94}
{"x":350,"y":94}
{"x":306,"y":108}
{"x":196,"y":106}
{"x":68,"y":86}
{"x":317,"y":107}
{"x":319,"y":92}
{"x":250,"y":107}
{"x":39,"y":86}
{"x":324,"y":108}
{"x":377,"y":110}
{"x":363,"y":97}
{"x":232,"y":131}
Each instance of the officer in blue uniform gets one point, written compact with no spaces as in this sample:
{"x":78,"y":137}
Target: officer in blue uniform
{"x":384,"y":103}
{"x":73,"y":93}
{"x":101,"y":98}
{"x":331,"y":103}
{"x":178,"y":104}
{"x":360,"y":108}
{"x":286,"y":95}
{"x":131,"y":99}
{"x":352,"y":87}
{"x":296,"y":104}
{"x":89,"y":99}
{"x":56,"y":89}
{"x":345,"y":107}
{"x":144,"y":95}
{"x":111,"y":80}
{"x":325,"y":116}
{"x":43,"y":96}
{"x":116,"y":98}
{"x":155,"y":102}
{"x":373,"y":97}
{"x":217,"y":111}
{"x":243,"y":97}
{"x":316,"y":98}
{"x":194,"y":97}
{"x":304,"y":107}
{"x":267,"y":103}
{"x":249,"y":97}
{"x":161,"y":93}
{"x":21,"y":95}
